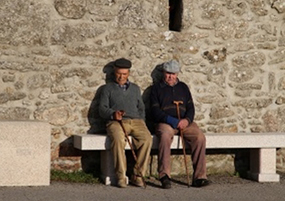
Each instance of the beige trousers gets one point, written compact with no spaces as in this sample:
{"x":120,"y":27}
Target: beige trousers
{"x":141,"y":140}
{"x":194,"y":137}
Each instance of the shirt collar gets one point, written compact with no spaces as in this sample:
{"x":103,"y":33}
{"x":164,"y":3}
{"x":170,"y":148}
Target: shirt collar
{"x":124,"y":86}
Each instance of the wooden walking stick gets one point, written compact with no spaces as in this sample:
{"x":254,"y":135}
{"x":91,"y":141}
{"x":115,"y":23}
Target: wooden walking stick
{"x":183,"y":142}
{"x":133,"y":152}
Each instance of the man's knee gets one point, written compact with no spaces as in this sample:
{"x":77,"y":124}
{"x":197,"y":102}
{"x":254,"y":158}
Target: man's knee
{"x":116,"y":136}
{"x":164,"y":129}
{"x":147,"y":138}
{"x":201,"y":137}
{"x":165,"y":135}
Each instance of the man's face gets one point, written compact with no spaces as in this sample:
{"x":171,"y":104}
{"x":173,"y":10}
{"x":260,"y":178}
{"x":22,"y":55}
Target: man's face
{"x":170,"y":78}
{"x":121,"y":75}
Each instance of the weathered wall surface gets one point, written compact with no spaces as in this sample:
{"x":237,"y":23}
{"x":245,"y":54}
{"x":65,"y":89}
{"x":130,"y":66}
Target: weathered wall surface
{"x":55,"y":55}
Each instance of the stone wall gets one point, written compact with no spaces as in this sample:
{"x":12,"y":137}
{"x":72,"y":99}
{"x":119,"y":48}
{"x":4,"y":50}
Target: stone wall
{"x":56,"y":54}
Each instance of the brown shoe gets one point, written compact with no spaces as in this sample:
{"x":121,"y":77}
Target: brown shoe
{"x":137,"y":181}
{"x":122,"y":183}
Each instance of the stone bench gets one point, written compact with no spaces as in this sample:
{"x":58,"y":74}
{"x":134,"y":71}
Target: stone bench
{"x":262,"y":148}
{"x":24,"y":153}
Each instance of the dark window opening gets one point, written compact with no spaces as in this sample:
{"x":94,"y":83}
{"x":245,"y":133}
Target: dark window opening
{"x":175,"y":15}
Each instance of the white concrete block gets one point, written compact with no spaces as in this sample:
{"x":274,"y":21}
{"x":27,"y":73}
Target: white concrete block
{"x":274,"y":177}
{"x":213,"y":141}
{"x":107,"y":168}
{"x":108,"y":175}
{"x":245,"y":140}
{"x":24,"y":153}
{"x":263,"y":165}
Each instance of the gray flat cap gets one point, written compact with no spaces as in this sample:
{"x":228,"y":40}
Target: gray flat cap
{"x":123,"y":63}
{"x":171,"y":66}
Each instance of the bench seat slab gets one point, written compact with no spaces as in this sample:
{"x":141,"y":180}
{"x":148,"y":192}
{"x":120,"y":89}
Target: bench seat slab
{"x":262,"y":151}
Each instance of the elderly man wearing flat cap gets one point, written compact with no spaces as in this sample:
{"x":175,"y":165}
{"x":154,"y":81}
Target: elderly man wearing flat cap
{"x":122,"y":106}
{"x":170,"y":98}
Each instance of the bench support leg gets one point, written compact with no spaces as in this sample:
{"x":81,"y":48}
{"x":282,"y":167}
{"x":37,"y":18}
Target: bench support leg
{"x":107,"y":168}
{"x":263,"y":165}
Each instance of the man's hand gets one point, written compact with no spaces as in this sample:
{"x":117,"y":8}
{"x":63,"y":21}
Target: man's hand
{"x":118,"y":115}
{"x":183,"y":123}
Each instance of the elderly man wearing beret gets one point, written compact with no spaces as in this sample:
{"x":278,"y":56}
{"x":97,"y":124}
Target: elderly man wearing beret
{"x":122,"y":106}
{"x":170,"y":98}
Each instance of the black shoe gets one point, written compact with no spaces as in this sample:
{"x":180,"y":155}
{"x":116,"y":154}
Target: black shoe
{"x":165,"y":182}
{"x":200,"y":183}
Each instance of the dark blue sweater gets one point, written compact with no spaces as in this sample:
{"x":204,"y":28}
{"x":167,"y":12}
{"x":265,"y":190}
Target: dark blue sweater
{"x":162,"y":103}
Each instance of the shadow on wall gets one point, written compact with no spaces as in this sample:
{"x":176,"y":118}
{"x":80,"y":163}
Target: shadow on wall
{"x":97,"y":124}
{"x":89,"y":160}
{"x":157,"y":76}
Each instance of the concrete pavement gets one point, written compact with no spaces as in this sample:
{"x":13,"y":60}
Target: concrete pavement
{"x":223,"y":188}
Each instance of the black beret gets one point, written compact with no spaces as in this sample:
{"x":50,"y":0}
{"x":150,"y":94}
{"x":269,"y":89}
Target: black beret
{"x":123,"y":63}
